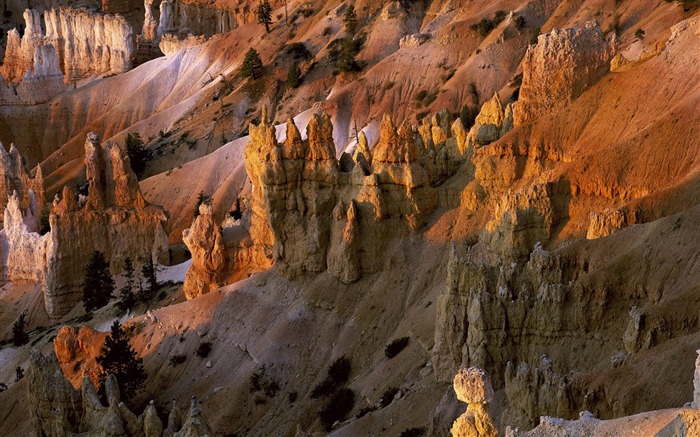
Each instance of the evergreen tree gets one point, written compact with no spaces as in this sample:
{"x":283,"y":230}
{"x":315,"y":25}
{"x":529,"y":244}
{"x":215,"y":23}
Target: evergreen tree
{"x":202,"y":197}
{"x":252,"y":65}
{"x":98,"y":286}
{"x":150,"y":273}
{"x":19,"y":373}
{"x":19,"y":336}
{"x":265,"y":14}
{"x":294,"y":75}
{"x":138,"y":155}
{"x":118,"y":358}
{"x":126,"y":294}
{"x":350,"y":20}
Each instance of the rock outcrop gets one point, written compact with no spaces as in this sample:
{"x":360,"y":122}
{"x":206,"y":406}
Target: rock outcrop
{"x":14,"y":177}
{"x":76,"y":350}
{"x":492,"y":122}
{"x":473,"y":386}
{"x":562,"y":64}
{"x":31,"y":69}
{"x":57,"y":409}
{"x":113,"y":219}
{"x":318,"y":217}
{"x":205,"y":241}
{"x":90,"y":43}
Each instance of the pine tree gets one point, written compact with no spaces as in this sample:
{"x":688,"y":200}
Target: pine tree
{"x":202,"y":197}
{"x":99,"y":285}
{"x":265,"y":14}
{"x":126,"y":294}
{"x":19,"y":336}
{"x":294,"y":75}
{"x":150,"y":273}
{"x":252,"y":65}
{"x":138,"y":154}
{"x":350,"y":20}
{"x":118,"y":358}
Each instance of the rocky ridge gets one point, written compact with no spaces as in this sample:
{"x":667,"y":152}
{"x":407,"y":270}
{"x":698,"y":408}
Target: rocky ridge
{"x":58,"y":409}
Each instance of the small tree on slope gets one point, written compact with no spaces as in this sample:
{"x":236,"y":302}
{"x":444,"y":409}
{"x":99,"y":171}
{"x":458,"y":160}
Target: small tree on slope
{"x":118,"y":358}
{"x":98,"y":286}
{"x":265,"y":14}
{"x":252,"y":65}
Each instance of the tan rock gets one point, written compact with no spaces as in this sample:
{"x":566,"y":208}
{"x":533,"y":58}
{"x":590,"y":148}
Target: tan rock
{"x":473,"y":386}
{"x":562,"y":64}
{"x":492,"y":122}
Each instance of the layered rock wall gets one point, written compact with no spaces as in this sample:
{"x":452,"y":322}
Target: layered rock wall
{"x":113,"y":219}
{"x":90,"y":43}
{"x":14,"y":177}
{"x":560,"y":66}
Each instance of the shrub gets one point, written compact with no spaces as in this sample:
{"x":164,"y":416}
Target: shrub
{"x":292,"y":396}
{"x":19,"y":373}
{"x":19,"y":336}
{"x":535,"y":35}
{"x":236,"y":214}
{"x":413,"y":432}
{"x":388,"y":396}
{"x":483,"y":27}
{"x":519,"y":23}
{"x":337,"y":408}
{"x":294,"y":78}
{"x":261,"y":382}
{"x":639,"y":34}
{"x":338,"y":374}
{"x":176,"y":360}
{"x":298,"y":51}
{"x":202,"y":197}
{"x":395,"y":347}
{"x":498,"y":17}
{"x":203,"y":349}
{"x":138,"y":154}
{"x":150,"y":274}
{"x":98,"y":285}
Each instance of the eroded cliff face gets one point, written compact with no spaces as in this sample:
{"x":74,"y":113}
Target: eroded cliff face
{"x":15,"y":177}
{"x":78,"y":44}
{"x":315,"y":215}
{"x":57,"y":409}
{"x":113,"y":219}
{"x":560,"y":66}
{"x":31,"y":68}
{"x":90,"y":43}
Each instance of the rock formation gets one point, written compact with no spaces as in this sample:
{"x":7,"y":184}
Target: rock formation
{"x":473,"y":386}
{"x":492,"y":122}
{"x":205,"y":241}
{"x":76,"y":350}
{"x":113,"y":219}
{"x":15,"y":178}
{"x":318,"y":217}
{"x":31,"y":68}
{"x":57,"y":409}
{"x":90,"y":43}
{"x":562,"y":64}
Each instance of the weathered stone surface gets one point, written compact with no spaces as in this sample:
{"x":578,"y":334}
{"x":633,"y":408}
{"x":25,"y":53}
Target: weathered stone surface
{"x":76,"y":350}
{"x":195,"y":424}
{"x":205,"y":241}
{"x":696,"y":383}
{"x":114,"y":219}
{"x":562,"y":64}
{"x":492,"y":122}
{"x":90,"y":43}
{"x":171,"y":44}
{"x":473,"y":386}
{"x":54,"y":405}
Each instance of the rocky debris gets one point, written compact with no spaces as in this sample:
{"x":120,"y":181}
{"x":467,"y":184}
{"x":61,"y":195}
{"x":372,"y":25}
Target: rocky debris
{"x":562,"y":64}
{"x":57,"y":409}
{"x":317,"y":217}
{"x":492,"y":122}
{"x":415,"y":40}
{"x":473,"y":386}
{"x":113,"y":219}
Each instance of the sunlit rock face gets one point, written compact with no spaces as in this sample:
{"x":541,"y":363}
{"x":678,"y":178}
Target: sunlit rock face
{"x":113,"y":219}
{"x":560,"y":66}
{"x":314,"y":215}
